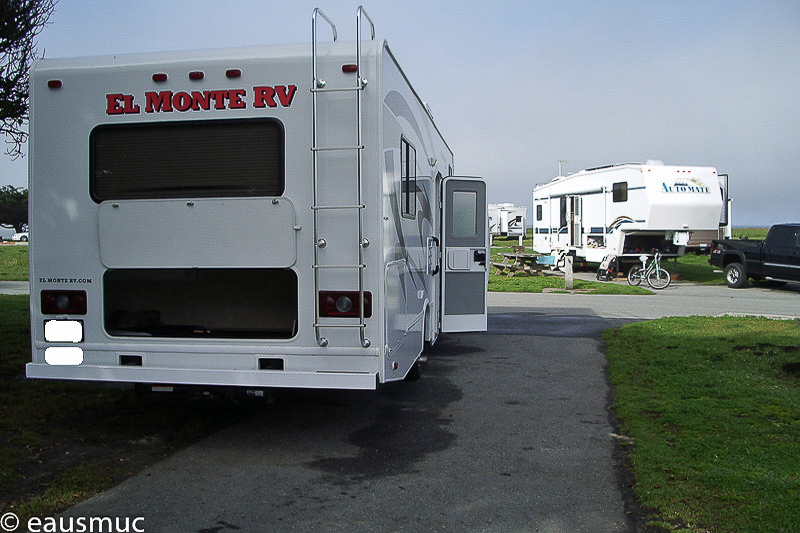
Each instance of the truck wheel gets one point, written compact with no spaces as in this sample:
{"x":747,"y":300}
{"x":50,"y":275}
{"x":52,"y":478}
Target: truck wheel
{"x":735,"y":276}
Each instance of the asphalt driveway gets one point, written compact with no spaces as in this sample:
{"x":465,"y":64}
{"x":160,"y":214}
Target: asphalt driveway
{"x":504,"y":432}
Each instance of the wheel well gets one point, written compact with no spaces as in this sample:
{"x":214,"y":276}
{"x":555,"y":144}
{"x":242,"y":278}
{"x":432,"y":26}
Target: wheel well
{"x":731,"y":259}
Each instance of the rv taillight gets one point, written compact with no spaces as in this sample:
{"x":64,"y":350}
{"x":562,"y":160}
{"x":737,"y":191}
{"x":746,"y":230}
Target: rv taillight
{"x":350,"y":68}
{"x":196,"y":75}
{"x":54,"y":84}
{"x":233,"y":73}
{"x":159,"y":77}
{"x":64,"y":302}
{"x":343,"y":304}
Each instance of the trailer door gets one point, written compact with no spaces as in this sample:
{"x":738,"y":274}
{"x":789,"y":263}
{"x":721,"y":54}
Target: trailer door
{"x":574,"y":215}
{"x":465,"y":246}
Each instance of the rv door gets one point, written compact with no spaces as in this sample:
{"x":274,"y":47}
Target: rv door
{"x":574,"y":214}
{"x":465,"y":247}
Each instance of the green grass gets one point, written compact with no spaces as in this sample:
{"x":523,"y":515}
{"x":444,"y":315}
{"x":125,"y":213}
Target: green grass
{"x":712,"y":406}
{"x":750,"y":233}
{"x":694,"y":268}
{"x":537,"y":284}
{"x":61,"y":442}
{"x":13,"y":263}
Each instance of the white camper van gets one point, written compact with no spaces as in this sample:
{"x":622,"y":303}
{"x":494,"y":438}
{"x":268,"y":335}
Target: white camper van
{"x":625,"y":210}
{"x":261,"y":217}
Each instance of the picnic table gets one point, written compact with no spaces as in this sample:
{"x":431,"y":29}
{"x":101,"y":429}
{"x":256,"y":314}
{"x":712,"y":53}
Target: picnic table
{"x":520,"y":262}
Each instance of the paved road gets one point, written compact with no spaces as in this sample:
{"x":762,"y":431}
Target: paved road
{"x":505,"y":432}
{"x":14,"y":287}
{"x":679,"y":299}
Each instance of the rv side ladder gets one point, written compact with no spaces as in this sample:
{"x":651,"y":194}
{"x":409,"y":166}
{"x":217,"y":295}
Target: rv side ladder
{"x":318,"y":89}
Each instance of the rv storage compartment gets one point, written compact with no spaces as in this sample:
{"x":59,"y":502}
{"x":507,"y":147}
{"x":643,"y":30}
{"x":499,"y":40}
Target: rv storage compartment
{"x":219,"y":303}
{"x":646,"y":244}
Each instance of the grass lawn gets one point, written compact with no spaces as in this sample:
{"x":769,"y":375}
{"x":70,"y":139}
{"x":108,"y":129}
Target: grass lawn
{"x":694,"y":268}
{"x":62,"y":442}
{"x":537,"y":284}
{"x":750,"y":233}
{"x":712,"y":408}
{"x":13,"y":262}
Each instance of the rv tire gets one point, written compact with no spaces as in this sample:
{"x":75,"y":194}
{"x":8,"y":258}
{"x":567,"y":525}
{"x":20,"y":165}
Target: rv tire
{"x":735,"y":276}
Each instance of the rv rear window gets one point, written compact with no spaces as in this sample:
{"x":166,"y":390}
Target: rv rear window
{"x":620,"y":193}
{"x":193,"y":159}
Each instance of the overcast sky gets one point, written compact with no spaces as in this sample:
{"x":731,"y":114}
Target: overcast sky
{"x":517,"y":85}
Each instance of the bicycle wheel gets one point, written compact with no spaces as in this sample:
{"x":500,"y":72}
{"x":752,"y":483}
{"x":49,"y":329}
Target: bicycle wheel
{"x":658,"y":278}
{"x":635,"y":275}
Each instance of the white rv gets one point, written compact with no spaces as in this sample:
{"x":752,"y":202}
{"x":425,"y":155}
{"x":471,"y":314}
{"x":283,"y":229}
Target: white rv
{"x":507,"y":220}
{"x":262,"y":217}
{"x":625,"y":210}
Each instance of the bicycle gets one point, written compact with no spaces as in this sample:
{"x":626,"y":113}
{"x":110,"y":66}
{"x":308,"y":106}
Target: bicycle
{"x":656,"y":277}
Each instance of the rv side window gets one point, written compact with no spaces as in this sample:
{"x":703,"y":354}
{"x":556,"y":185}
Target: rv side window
{"x":621,"y":191}
{"x":197,"y":159}
{"x":539,"y":212}
{"x":408,"y":166}
{"x":562,"y":204}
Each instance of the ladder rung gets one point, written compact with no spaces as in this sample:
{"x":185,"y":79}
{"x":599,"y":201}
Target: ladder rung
{"x":337,"y":89}
{"x":335,"y":148}
{"x":323,"y":207}
{"x":341,"y":266}
{"x":340,"y":325}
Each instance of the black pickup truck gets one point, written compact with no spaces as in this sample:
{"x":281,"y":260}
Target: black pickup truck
{"x":777,"y":258}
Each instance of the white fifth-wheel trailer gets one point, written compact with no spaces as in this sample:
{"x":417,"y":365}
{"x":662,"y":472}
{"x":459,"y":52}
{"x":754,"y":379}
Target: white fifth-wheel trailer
{"x":261,"y":217}
{"x":507,"y":220}
{"x":625,"y":210}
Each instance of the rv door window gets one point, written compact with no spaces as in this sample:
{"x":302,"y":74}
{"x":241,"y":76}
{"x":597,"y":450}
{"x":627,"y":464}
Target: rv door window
{"x":620,"y":191}
{"x":408,"y":166}
{"x":465,"y":214}
{"x":189,"y":159}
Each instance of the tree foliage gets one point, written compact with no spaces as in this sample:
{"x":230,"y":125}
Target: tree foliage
{"x":13,"y":207}
{"x":20,"y":23}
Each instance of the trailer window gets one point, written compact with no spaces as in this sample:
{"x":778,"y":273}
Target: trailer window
{"x":191,"y":159}
{"x":539,"y":212}
{"x":620,"y":191}
{"x":408,"y":167}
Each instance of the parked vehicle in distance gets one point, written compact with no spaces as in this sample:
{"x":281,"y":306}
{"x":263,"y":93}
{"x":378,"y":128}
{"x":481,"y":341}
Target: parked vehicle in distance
{"x":21,"y":237}
{"x":777,"y":258}
{"x":6,"y":233}
{"x":627,"y":210}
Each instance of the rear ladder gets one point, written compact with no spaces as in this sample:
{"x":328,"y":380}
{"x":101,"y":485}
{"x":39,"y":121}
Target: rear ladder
{"x":319,"y":89}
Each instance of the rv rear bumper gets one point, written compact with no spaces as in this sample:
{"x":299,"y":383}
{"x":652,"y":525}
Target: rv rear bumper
{"x":221,"y":378}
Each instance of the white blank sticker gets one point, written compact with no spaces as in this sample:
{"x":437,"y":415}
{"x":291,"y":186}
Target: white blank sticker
{"x":63,"y":331}
{"x":63,"y":356}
